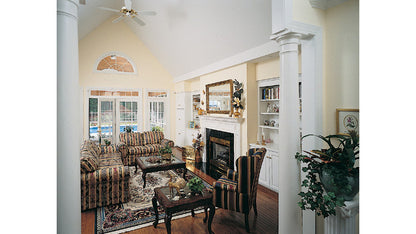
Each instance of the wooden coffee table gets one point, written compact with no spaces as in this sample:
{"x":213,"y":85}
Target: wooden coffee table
{"x":147,"y":167}
{"x":189,"y":202}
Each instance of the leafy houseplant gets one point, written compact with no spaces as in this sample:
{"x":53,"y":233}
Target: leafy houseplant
{"x":335,"y":168}
{"x":107,"y":142}
{"x":165,"y":152}
{"x":195,"y":185}
{"x":128,"y":129}
{"x":157,"y":128}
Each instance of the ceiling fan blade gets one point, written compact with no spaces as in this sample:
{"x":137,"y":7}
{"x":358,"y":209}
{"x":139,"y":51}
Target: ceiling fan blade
{"x":116,"y":20}
{"x":108,"y":9}
{"x":146,"y":12}
{"x":139,"y":21}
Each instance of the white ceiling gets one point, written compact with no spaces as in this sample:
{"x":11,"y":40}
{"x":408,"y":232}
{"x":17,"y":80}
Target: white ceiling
{"x":189,"y":34}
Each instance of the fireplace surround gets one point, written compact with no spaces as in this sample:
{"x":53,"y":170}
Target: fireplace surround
{"x":223,"y":124}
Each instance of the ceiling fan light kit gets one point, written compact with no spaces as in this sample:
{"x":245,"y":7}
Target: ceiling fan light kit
{"x":128,"y":11}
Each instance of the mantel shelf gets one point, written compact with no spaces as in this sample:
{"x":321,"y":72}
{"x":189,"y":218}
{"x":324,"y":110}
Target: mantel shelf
{"x":267,"y":113}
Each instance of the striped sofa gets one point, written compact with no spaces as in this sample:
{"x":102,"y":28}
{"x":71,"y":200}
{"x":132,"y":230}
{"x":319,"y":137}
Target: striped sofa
{"x":237,"y":191}
{"x":133,"y":144}
{"x":104,"y":178}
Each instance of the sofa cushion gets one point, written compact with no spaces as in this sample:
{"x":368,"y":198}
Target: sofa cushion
{"x":134,"y":150}
{"x":110,"y":160}
{"x":91,"y":147}
{"x":152,"y":148}
{"x":152,"y":137}
{"x":89,"y":163}
{"x":131,"y":138}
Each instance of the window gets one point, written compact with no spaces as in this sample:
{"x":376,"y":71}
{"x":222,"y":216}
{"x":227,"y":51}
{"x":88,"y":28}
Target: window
{"x":113,"y":62}
{"x":110,"y":111}
{"x":157,"y":110}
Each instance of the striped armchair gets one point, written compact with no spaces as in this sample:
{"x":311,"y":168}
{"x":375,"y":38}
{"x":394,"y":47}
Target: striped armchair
{"x":237,"y":191}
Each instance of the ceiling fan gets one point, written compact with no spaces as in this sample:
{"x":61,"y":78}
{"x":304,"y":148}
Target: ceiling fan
{"x":127,"y":11}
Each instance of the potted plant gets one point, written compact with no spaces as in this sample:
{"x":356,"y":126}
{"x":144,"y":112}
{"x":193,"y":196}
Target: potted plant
{"x":166,"y":152}
{"x":157,"y":128}
{"x":107,"y":142}
{"x":195,"y":185}
{"x":128,"y":129}
{"x":334,"y":166}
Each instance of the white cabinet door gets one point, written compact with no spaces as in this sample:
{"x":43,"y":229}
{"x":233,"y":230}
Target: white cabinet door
{"x":274,"y":172}
{"x":180,"y":138}
{"x":180,"y":127}
{"x":264,"y":172}
{"x":180,"y":100}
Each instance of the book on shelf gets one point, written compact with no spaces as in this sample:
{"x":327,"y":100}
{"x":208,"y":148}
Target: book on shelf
{"x":271,"y":93}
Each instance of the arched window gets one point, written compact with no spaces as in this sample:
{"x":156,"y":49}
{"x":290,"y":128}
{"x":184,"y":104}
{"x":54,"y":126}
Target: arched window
{"x":114,"y":62}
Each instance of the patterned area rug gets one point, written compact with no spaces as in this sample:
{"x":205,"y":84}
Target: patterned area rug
{"x":138,"y":212}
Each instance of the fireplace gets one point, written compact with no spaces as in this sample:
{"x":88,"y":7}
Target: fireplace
{"x":220,"y":152}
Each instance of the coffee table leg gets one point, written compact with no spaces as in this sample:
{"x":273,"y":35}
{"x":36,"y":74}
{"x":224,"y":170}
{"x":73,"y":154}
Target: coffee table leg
{"x":168,"y":217}
{"x":211,"y":217}
{"x":154,"y":202}
{"x":144,"y":179}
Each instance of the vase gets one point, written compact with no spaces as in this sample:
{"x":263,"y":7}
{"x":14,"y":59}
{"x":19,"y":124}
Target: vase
{"x":329,"y":186}
{"x":236,"y":113}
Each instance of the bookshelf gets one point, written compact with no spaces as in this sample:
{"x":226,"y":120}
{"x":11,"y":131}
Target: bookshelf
{"x":268,"y":108}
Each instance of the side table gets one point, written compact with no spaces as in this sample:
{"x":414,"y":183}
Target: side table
{"x":162,"y":195}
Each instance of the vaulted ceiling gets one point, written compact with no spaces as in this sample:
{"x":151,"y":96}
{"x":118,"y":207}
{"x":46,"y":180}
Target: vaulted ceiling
{"x":189,"y":34}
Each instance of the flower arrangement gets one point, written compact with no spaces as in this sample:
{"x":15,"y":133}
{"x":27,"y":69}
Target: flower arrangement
{"x":197,"y":143}
{"x":237,"y":104}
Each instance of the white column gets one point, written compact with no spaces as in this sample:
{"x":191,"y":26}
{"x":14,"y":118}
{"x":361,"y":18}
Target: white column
{"x":344,"y":220}
{"x":68,"y":120}
{"x":289,"y":181}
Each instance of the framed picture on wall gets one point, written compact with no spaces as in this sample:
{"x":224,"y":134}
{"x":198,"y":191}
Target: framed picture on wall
{"x":191,"y":124}
{"x":347,"y":120}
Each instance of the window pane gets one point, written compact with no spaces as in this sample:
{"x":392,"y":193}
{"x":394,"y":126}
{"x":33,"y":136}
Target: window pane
{"x":93,"y":118}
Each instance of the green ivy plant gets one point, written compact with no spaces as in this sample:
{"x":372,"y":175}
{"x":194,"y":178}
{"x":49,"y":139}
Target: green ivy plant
{"x":336,"y":161}
{"x":195,"y":185}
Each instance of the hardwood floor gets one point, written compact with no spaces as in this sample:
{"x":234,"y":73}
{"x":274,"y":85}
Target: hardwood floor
{"x":224,"y":221}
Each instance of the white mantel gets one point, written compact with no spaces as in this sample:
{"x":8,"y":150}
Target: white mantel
{"x":225,"y":124}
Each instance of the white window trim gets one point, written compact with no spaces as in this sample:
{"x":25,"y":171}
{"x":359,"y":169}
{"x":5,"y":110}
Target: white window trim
{"x":120,"y":54}
{"x":166,"y":107}
{"x":139,"y":99}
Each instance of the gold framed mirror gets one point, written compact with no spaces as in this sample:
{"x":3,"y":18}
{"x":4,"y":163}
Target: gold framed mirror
{"x":219,"y":97}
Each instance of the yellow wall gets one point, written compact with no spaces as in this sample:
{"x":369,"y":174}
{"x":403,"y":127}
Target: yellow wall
{"x":119,"y":38}
{"x":341,"y":60}
{"x":342,"y":53}
{"x":244,"y":73}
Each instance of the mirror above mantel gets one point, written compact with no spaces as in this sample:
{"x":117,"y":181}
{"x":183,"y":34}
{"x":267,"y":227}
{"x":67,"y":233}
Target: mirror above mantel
{"x":219,"y":96}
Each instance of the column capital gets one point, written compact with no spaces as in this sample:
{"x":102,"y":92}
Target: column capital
{"x":68,"y":7}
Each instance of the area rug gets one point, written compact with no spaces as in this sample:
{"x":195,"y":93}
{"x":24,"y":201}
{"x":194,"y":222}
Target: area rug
{"x":138,"y":212}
